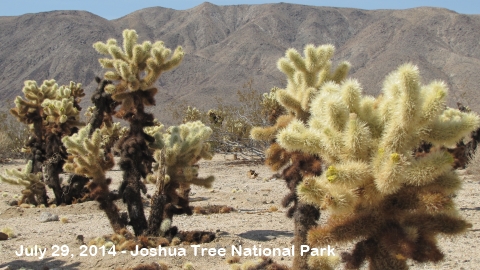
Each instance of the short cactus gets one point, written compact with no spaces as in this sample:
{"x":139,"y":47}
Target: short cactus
{"x":34,"y":187}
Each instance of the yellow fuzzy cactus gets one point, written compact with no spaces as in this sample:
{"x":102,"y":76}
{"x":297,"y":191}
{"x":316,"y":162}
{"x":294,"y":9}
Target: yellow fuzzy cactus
{"x":178,"y":149}
{"x":135,"y":66}
{"x":389,"y":202}
{"x":56,"y":101}
{"x":60,"y":111}
{"x":34,"y":97}
{"x":305,"y":78}
{"x":50,"y":111}
{"x":305,"y":75}
{"x":191,"y":114}
{"x":31,"y":181}
{"x":86,"y":155}
{"x":111,"y":132}
{"x":88,"y":158}
{"x":184,"y":146}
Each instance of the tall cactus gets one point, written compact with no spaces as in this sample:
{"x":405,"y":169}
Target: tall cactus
{"x":134,"y":70}
{"x":391,"y":204}
{"x":305,"y":77}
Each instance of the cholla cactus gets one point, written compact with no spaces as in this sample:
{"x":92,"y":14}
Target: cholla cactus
{"x":61,"y":111}
{"x":88,"y":158}
{"x":110,"y":133}
{"x":34,"y":187}
{"x":51,"y":111}
{"x":374,"y":188}
{"x":134,"y":71}
{"x":306,"y":75}
{"x":305,"y":78}
{"x":53,"y":103}
{"x":34,"y":97}
{"x":271,"y":108}
{"x":136,"y":68}
{"x":177,"y":154}
{"x":192,"y":114}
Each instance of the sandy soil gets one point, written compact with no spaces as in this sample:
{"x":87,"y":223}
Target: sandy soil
{"x":252,"y":224}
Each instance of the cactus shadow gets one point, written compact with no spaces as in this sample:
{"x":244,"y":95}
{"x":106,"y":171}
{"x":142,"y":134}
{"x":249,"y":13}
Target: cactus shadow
{"x":265,"y":235}
{"x":47,"y":263}
{"x":470,"y":208}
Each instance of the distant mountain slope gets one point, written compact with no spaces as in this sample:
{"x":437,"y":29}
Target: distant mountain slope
{"x":227,"y":45}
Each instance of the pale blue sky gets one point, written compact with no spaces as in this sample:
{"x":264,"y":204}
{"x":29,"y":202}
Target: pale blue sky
{"x":111,"y":9}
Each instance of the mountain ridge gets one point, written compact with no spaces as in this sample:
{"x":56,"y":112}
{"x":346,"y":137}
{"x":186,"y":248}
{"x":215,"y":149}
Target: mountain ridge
{"x":226,"y":46}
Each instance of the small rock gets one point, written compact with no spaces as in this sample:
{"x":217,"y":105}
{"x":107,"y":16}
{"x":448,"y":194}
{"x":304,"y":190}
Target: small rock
{"x":220,"y":233}
{"x":232,"y":198}
{"x":3,"y":236}
{"x":270,"y":237}
{"x":79,"y":239}
{"x":46,"y":217}
{"x":13,"y":203}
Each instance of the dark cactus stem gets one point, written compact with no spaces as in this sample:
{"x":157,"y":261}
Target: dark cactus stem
{"x":106,"y":200}
{"x":156,"y":214}
{"x":304,"y":216}
{"x":37,"y":146}
{"x":113,"y":215}
{"x":104,"y":104}
{"x":36,"y":143}
{"x":52,"y":166}
{"x":75,"y":190}
{"x":136,"y":160}
{"x":132,"y":197}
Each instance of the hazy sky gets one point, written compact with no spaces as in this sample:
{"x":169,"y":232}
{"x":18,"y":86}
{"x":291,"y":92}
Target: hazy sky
{"x":111,"y":9}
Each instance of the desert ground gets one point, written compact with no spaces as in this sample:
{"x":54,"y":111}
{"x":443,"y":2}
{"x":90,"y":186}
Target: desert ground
{"x":253,"y":223}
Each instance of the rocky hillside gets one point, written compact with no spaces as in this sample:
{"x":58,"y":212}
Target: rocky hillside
{"x":228,"y":45}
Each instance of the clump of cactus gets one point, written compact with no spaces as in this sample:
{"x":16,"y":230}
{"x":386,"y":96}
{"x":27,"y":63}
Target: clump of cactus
{"x":305,"y":76}
{"x":147,"y":152}
{"x":381,"y":197}
{"x":51,"y":112}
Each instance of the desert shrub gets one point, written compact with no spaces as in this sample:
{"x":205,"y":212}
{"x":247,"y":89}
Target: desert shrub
{"x":231,"y":124}
{"x":12,"y":137}
{"x":473,"y":166}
